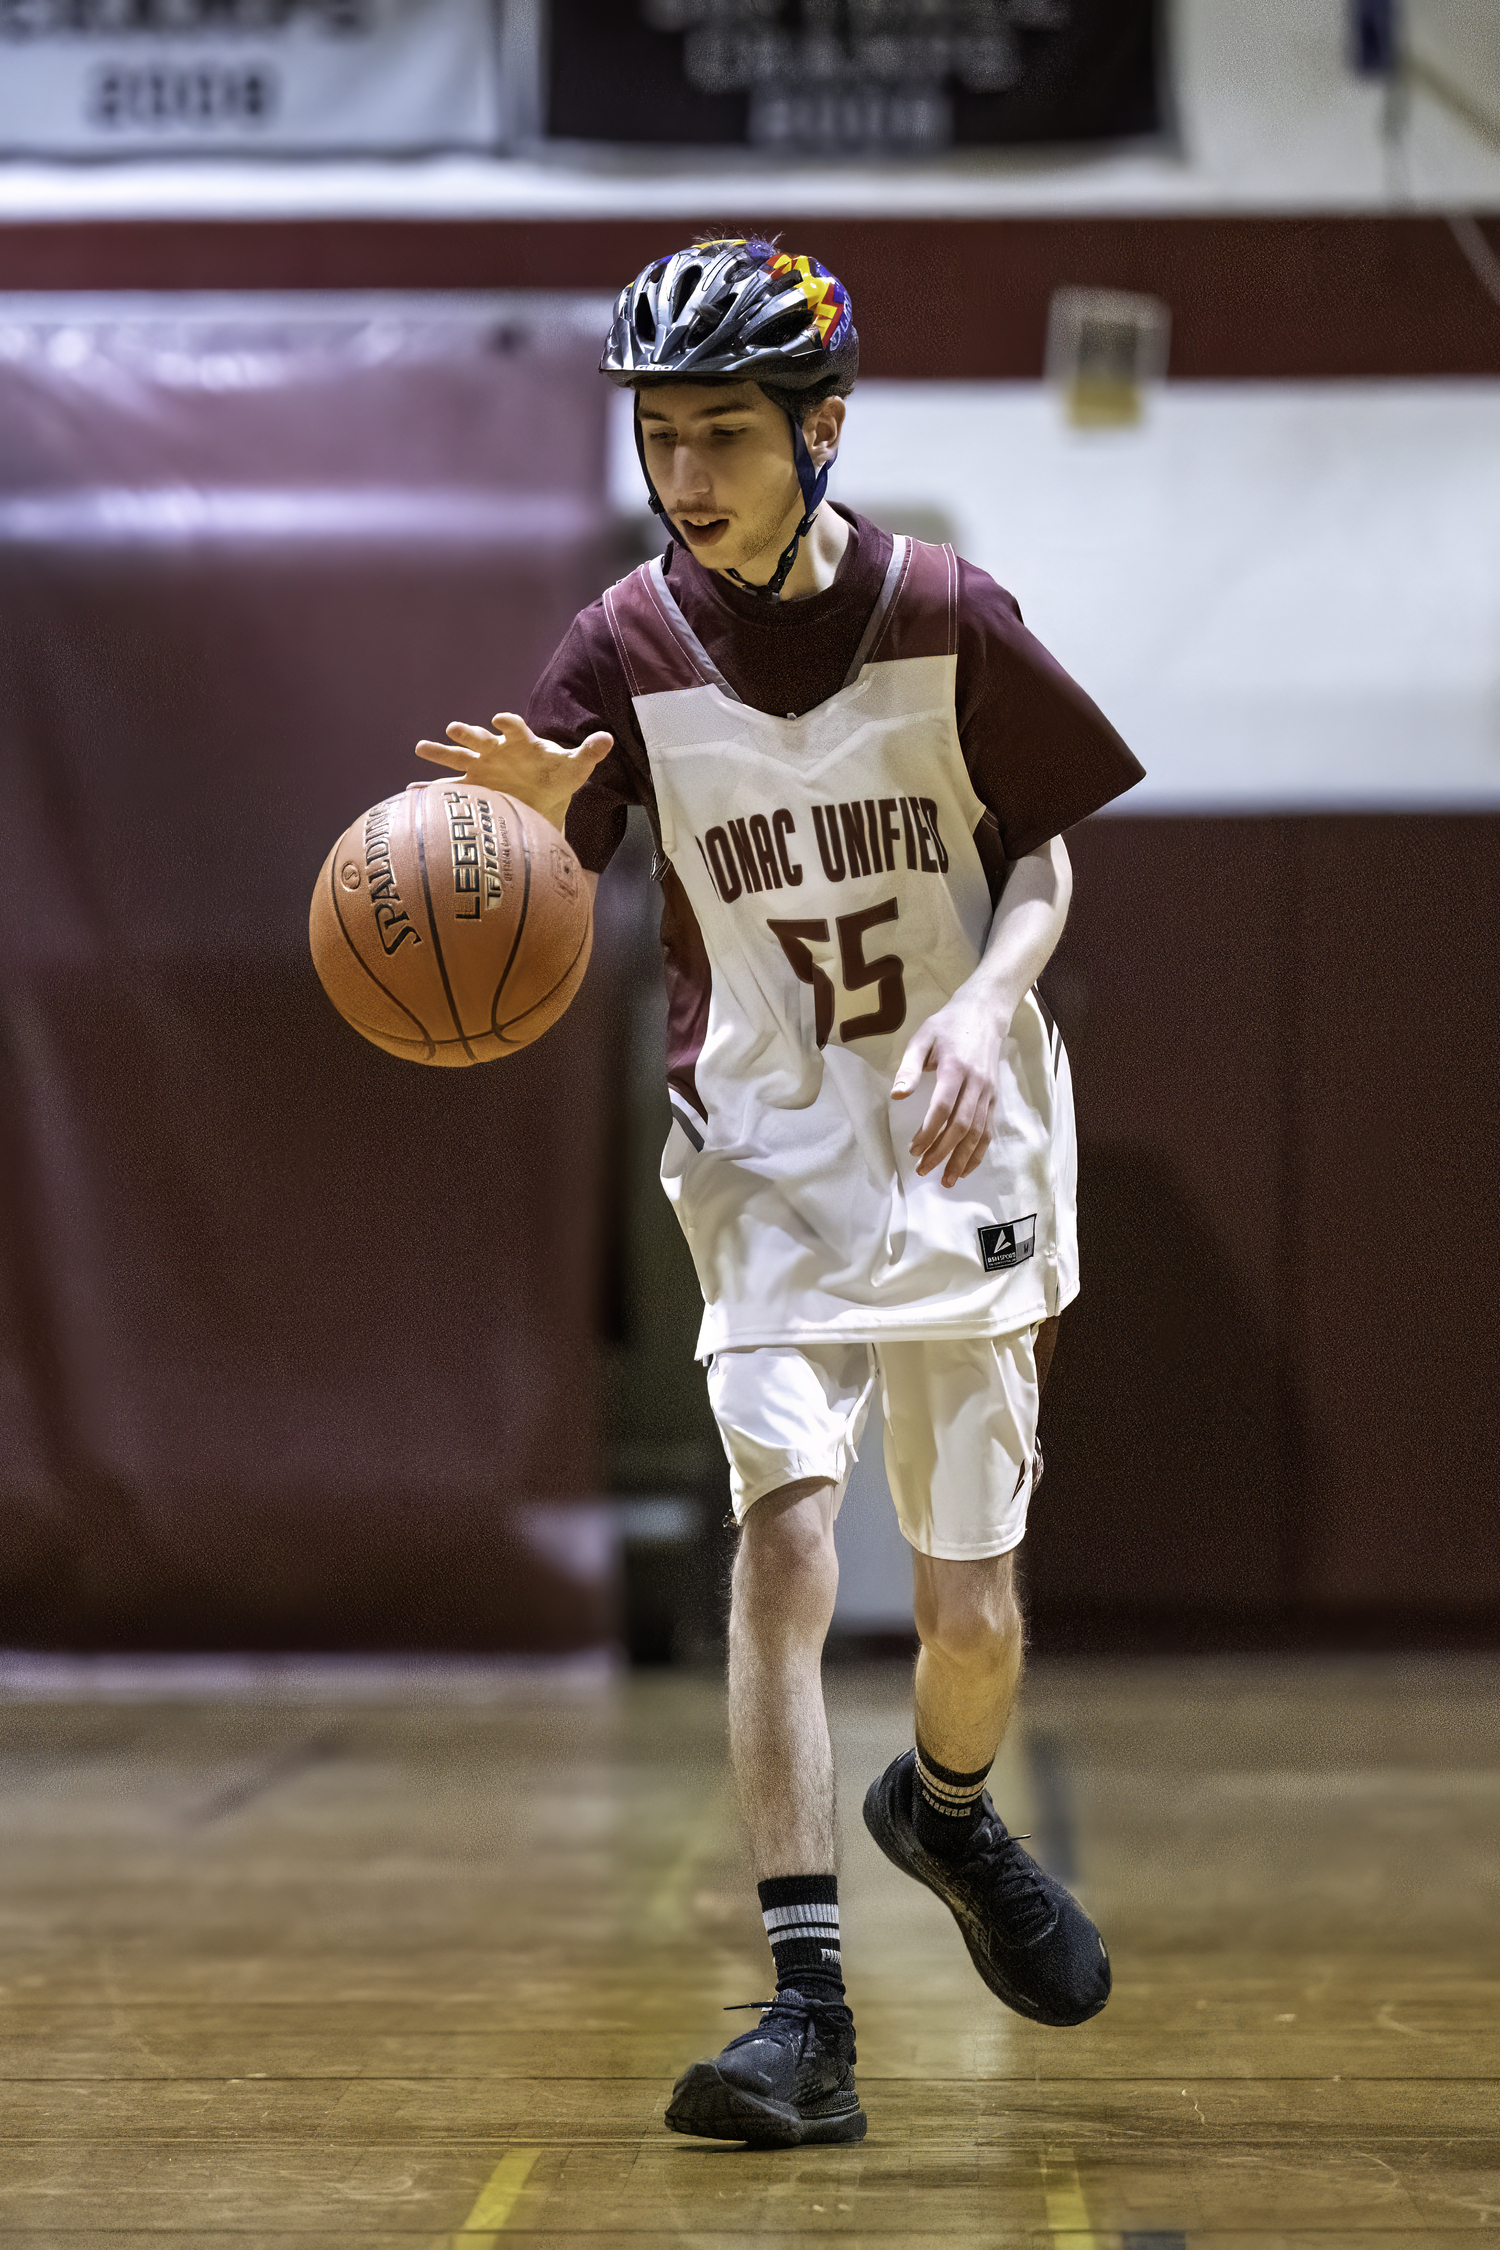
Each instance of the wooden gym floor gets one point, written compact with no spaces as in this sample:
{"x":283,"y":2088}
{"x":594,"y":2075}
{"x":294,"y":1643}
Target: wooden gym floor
{"x":348,"y":1957}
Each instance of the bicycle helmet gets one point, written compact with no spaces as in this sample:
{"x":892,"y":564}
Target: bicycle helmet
{"x":738,"y":309}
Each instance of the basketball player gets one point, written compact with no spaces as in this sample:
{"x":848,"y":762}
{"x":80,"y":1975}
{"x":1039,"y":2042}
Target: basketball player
{"x":857,"y":765}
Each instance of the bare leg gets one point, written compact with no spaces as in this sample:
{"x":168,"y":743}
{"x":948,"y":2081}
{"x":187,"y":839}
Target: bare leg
{"x":785,"y":1578}
{"x":969,"y":1623}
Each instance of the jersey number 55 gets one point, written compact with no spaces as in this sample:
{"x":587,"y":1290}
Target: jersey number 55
{"x":889,"y":1013}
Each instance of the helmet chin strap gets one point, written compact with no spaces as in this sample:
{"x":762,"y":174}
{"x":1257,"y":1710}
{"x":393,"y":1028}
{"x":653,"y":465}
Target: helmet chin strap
{"x":813,"y":484}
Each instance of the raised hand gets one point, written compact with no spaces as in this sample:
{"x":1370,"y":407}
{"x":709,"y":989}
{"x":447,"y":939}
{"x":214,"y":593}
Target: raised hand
{"x":507,"y":755}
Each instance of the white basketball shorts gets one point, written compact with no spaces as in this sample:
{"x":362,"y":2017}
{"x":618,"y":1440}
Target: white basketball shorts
{"x":960,"y":1430}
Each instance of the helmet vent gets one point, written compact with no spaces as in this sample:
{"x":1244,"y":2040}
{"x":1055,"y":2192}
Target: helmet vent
{"x":785,"y":329}
{"x":733,"y":310}
{"x":686,"y":282}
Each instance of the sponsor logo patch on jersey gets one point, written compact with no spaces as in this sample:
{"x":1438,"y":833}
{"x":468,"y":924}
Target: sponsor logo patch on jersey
{"x":1010,"y":1243}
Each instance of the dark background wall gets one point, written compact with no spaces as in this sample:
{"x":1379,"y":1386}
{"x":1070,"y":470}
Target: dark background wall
{"x":1270,"y":296}
{"x":1274,"y":1407}
{"x":297,"y":1343}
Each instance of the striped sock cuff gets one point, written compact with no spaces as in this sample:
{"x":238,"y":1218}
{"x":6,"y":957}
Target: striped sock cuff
{"x":955,"y":1794}
{"x":801,"y":1915}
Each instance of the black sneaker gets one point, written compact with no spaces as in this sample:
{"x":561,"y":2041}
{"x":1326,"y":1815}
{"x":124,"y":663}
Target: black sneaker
{"x":1029,"y":1939}
{"x":782,"y":2085}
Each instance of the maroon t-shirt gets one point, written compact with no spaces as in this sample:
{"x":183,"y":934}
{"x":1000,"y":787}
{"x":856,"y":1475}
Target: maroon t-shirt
{"x":1039,"y":754}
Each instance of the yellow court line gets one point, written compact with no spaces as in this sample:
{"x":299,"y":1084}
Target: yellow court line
{"x":501,"y":2192}
{"x":1068,"y":2217}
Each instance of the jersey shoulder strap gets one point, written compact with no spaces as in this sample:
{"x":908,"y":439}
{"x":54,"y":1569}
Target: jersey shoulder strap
{"x":917,"y":613}
{"x":657,"y":648}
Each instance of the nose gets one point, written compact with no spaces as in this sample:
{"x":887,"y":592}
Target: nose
{"x":690,"y":476}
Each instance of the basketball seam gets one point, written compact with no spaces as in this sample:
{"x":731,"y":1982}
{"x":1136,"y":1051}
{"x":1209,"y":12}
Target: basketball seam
{"x":546,"y":996}
{"x":515,"y":942}
{"x":437,"y":943}
{"x":338,"y":915}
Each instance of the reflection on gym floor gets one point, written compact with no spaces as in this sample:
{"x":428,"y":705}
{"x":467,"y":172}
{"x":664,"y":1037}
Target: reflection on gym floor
{"x":354,"y":1955}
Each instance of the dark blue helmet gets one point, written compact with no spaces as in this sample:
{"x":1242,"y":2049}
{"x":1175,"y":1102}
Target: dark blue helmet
{"x":734,"y":307}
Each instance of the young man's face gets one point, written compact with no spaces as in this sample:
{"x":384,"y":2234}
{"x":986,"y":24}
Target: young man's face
{"x":720,"y":457}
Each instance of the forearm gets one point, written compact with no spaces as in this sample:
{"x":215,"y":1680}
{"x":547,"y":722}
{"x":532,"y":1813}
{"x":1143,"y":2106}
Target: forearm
{"x":1027,"y":924}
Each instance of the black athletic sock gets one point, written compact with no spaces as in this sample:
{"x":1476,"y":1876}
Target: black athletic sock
{"x":801,"y":1914}
{"x":945,"y":1804}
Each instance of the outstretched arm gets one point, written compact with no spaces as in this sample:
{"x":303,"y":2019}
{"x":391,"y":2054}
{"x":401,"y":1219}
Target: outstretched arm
{"x":962,"y":1042}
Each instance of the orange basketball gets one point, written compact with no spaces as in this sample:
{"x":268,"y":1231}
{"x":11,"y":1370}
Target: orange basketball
{"x":451,"y":924}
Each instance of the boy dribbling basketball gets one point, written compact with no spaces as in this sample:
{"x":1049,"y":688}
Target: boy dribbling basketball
{"x":857,"y":765}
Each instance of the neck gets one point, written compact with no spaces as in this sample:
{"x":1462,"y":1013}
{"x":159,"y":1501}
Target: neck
{"x":818,"y":557}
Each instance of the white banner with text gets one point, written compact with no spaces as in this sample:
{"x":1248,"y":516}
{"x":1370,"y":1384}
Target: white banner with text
{"x":288,"y":77}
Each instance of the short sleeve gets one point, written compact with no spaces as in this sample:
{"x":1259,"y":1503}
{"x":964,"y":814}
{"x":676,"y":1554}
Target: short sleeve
{"x":579,"y":694}
{"x":1041,"y":755}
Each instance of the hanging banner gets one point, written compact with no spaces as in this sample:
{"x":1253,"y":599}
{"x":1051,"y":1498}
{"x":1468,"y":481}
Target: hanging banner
{"x":817,"y":77}
{"x":284,"y":77}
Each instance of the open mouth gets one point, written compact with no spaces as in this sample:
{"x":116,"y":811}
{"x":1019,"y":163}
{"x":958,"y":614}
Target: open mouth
{"x":704,"y":532}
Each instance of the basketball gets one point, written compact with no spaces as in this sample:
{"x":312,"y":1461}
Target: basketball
{"x":451,"y":924}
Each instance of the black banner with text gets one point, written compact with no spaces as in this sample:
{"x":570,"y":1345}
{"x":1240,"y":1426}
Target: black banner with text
{"x":825,"y":77}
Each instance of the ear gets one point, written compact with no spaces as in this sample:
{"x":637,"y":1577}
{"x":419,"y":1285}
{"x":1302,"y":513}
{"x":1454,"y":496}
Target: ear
{"x":821,"y":426}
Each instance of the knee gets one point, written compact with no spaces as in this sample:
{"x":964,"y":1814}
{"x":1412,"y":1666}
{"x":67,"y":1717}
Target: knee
{"x":786,"y":1554}
{"x":967,"y":1612}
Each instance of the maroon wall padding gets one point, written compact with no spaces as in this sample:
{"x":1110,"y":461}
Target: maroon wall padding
{"x":292,"y":1334}
{"x":1275,"y":1401}
{"x":1400,"y":1209}
{"x":1258,"y":295}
